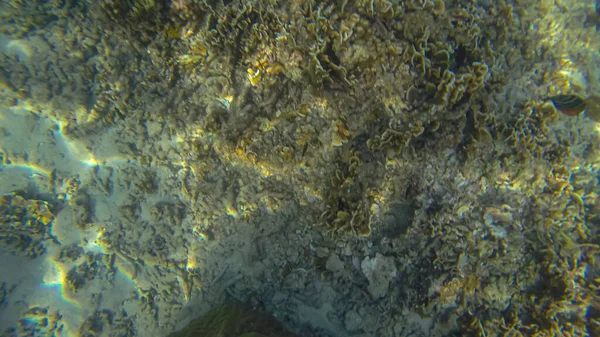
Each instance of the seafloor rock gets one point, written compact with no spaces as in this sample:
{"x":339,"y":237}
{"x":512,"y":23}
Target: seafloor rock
{"x":24,"y":224}
{"x":234,"y":320}
{"x":379,"y":270}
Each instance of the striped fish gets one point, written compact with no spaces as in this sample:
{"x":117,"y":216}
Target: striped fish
{"x":571,"y":105}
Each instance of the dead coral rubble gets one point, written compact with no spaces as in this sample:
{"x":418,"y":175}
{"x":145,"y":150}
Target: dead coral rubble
{"x":24,"y":224}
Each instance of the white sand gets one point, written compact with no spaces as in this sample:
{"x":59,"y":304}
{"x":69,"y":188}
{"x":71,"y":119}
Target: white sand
{"x":37,"y":150}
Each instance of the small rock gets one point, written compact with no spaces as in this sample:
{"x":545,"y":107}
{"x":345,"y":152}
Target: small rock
{"x":334,"y":263}
{"x":347,"y":250}
{"x":154,"y":128}
{"x":353,"y":321}
{"x":322,"y":251}
{"x":398,"y":328}
{"x":379,"y":270}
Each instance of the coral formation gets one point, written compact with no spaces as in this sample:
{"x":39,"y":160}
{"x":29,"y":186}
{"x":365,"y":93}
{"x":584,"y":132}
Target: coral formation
{"x":24,"y":224}
{"x":415,"y":134}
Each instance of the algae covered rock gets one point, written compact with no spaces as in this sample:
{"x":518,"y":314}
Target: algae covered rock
{"x":234,"y":320}
{"x":24,"y":224}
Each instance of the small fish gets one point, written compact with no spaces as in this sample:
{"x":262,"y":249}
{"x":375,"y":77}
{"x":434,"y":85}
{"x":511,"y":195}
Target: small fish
{"x":571,"y":105}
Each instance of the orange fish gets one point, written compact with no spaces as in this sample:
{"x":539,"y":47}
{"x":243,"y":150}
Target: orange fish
{"x":571,"y":105}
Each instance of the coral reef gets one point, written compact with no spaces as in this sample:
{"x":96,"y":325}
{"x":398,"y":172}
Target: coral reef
{"x":411,"y":135}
